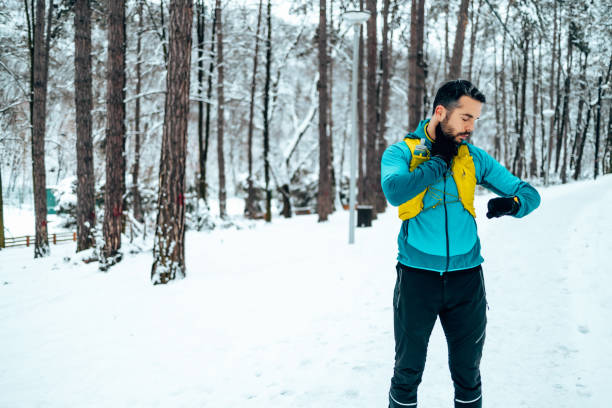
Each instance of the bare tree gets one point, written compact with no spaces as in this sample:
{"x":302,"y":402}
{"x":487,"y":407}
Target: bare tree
{"x":519,"y":158}
{"x":250,"y":208}
{"x":266,"y":114}
{"x":457,"y":58}
{"x":40,"y":73}
{"x":324,"y":198}
{"x":86,"y":215}
{"x":203,"y":146}
{"x":169,"y":247}
{"x":473,"y":35}
{"x":220,"y":112}
{"x":562,"y":134}
{"x":114,"y":188}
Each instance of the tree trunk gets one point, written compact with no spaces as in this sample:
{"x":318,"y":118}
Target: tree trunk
{"x":608,"y":148}
{"x":597,"y":130}
{"x":562,"y":135}
{"x":416,"y":64}
{"x":41,"y":244}
{"x":519,"y":158}
{"x":250,"y":208}
{"x":136,"y":198}
{"x":115,"y":135}
{"x":360,"y":118}
{"x":372,"y":120}
{"x":169,"y":247}
{"x":330,"y":118}
{"x":266,"y":114}
{"x":498,"y":126}
{"x":609,"y":142}
{"x":209,"y":85}
{"x":1,"y":213}
{"x":474,"y":34}
{"x":201,"y":30}
{"x":220,"y":112}
{"x":551,"y":96}
{"x":455,"y":66}
{"x":446,"y":42}
{"x":163,"y":32}
{"x":504,"y":104}
{"x":381,"y":201}
{"x":581,"y":102}
{"x":86,"y":215}
{"x":580,"y":149}
{"x":533,"y":165}
{"x":324,"y":198}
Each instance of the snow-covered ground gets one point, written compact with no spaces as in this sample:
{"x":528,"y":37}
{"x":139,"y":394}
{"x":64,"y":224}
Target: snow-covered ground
{"x":290,"y":315}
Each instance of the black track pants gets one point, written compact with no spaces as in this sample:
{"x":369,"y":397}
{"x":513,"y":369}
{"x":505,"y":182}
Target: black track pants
{"x":459,"y":299}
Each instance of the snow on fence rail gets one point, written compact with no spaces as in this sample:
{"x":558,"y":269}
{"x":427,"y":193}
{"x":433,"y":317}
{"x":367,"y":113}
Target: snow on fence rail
{"x":28,"y":240}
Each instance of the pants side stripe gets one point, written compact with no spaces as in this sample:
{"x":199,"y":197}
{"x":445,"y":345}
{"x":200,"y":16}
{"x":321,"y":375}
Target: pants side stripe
{"x":413,"y":404}
{"x":468,"y":402}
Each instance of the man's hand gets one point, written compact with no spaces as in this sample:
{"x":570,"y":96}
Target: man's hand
{"x":503,"y":206}
{"x":444,"y":147}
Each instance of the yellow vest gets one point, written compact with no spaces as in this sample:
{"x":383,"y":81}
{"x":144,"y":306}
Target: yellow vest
{"x":464,"y":174}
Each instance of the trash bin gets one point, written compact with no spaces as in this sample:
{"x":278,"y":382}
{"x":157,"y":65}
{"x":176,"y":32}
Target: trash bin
{"x":364,"y":215}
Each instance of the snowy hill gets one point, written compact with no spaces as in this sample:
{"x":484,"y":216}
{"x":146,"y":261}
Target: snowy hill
{"x":289,"y":315}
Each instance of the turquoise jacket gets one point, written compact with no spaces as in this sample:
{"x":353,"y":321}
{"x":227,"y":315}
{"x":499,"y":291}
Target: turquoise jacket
{"x":444,"y":238}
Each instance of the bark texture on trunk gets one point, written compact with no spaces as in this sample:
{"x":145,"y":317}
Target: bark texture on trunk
{"x":385,"y":93}
{"x":360,"y":117}
{"x":416,"y":64}
{"x":200,"y":31}
{"x":324,"y":198}
{"x":457,"y":58}
{"x":371,"y":116}
{"x":169,"y":247}
{"x":220,"y":112}
{"x":86,"y":215}
{"x":41,"y":244}
{"x":136,"y":199}
{"x":115,"y":135}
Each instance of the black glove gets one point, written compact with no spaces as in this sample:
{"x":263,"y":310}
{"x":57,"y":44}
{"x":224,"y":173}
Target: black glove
{"x":502,"y":206}
{"x":444,"y":147}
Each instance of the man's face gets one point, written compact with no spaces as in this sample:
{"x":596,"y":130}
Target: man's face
{"x":458,"y":124}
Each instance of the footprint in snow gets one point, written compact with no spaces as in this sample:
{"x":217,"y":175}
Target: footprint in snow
{"x":583,"y":329}
{"x":351,"y":393}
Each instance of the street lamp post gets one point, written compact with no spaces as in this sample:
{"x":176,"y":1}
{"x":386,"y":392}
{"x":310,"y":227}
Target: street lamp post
{"x":356,"y":18}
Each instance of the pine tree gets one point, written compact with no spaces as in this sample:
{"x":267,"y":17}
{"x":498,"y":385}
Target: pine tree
{"x":169,"y":247}
{"x":114,"y":188}
{"x":86,"y":216}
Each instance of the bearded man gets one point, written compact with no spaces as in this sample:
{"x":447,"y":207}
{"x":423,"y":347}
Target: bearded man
{"x":431,"y":176}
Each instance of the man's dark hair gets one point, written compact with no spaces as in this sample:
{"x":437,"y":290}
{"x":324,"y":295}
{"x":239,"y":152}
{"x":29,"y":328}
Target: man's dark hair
{"x":448,"y":95}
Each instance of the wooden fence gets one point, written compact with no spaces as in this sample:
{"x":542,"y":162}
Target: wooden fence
{"x":28,"y":240}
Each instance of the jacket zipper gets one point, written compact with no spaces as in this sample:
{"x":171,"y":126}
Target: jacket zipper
{"x":446,"y":225}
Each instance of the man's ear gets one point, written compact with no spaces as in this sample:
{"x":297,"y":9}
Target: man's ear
{"x":439,"y":112}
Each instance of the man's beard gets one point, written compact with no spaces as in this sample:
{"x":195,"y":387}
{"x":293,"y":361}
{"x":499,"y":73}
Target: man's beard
{"x":446,"y":131}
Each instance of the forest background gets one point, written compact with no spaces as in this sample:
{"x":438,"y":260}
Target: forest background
{"x":180,"y":105}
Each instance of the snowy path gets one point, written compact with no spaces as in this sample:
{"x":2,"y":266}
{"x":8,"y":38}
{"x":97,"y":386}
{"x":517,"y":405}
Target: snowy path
{"x":288,"y":315}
